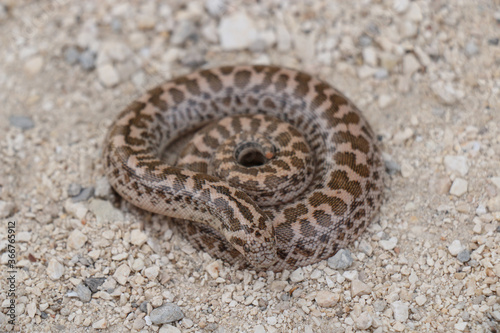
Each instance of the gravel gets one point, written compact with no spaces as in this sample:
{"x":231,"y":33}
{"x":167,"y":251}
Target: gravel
{"x":423,"y":72}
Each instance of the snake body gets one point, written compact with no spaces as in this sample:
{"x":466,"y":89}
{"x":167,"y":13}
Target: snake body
{"x":282,"y":171}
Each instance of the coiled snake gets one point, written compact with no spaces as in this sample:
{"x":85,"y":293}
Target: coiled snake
{"x":284,"y":171}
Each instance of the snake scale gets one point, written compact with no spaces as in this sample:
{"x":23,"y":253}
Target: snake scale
{"x":282,"y":169}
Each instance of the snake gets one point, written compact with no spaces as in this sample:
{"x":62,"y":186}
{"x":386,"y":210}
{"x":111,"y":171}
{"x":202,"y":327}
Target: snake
{"x":280,"y":170}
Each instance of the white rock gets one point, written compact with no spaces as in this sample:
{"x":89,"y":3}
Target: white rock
{"x":494,"y":204}
{"x":365,"y":72}
{"x":364,"y":321}
{"x":152,"y":272}
{"x":31,"y":309}
{"x":351,"y":275}
{"x":216,"y":7}
{"x":401,"y":6}
{"x":272,"y":320}
{"x":384,"y":101}
{"x":76,"y":239}
{"x":326,"y":299}
{"x":410,"y":64}
{"x":237,"y":31}
{"x":137,"y":265}
{"x":420,"y":300}
{"x":359,"y":288}
{"x":6,"y":208}
{"x":121,"y":274}
{"x":55,"y":269}
{"x":259,"y":329}
{"x":370,"y":56}
{"x":456,"y":164}
{"x":100,"y":324}
{"x":34,"y":65}
{"x":455,"y":247}
{"x":214,"y":268}
{"x":108,"y":75}
{"x":137,"y":237}
{"x":400,"y":310}
{"x":459,"y":187}
{"x":297,"y":275}
{"x":414,"y":12}
{"x":461,"y":326}
{"x":23,"y":237}
{"x":166,"y":328}
{"x":389,"y":244}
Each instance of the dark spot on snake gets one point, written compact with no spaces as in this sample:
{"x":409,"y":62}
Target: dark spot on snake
{"x":357,"y":142}
{"x":177,"y":95}
{"x":302,"y":88}
{"x":349,"y":159}
{"x":307,"y":229}
{"x":339,"y":207}
{"x":242,"y":78}
{"x":339,"y":180}
{"x":213,"y":80}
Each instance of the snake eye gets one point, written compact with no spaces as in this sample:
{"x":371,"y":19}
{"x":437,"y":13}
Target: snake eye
{"x":246,"y":248}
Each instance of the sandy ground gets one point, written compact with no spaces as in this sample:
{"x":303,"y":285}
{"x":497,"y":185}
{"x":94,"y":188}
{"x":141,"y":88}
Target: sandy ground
{"x":425,"y":73}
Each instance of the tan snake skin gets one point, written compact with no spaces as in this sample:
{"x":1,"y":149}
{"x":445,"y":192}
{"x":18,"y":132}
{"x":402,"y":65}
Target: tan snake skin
{"x":285,"y":171}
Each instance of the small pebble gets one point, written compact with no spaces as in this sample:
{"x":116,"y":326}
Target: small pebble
{"x":341,"y":260}
{"x":74,"y":189}
{"x":83,"y":293}
{"x":463,"y":256}
{"x":121,"y":274}
{"x":22,"y":122}
{"x":420,"y":300}
{"x":6,"y":208}
{"x":461,"y":326}
{"x":326,"y":299}
{"x":455,"y":247}
{"x":410,"y":64}
{"x":389,"y":244}
{"x":493,"y":41}
{"x":400,"y":310}
{"x":456,"y":164}
{"x":379,"y":305}
{"x":359,"y":288}
{"x":137,"y":237}
{"x":167,"y":313}
{"x":363,"y":321}
{"x":104,"y":211}
{"x":152,"y":272}
{"x":76,"y":239}
{"x":214,"y":269}
{"x":84,"y":194}
{"x":169,"y":329}
{"x":87,"y":60}
{"x":102,"y":188}
{"x":401,"y":6}
{"x":55,"y":269}
{"x":108,"y":75}
{"x":381,"y":74}
{"x":297,"y":275}
{"x":471,"y":49}
{"x":183,"y":30}
{"x":236,"y":32}
{"x":71,"y":55}
{"x":34,"y":65}
{"x":94,"y":283}
{"x":493,"y":204}
{"x":459,"y":187}
{"x":216,"y":7}
{"x":100,"y":324}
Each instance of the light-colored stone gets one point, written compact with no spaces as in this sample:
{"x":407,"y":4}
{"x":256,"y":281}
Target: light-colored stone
{"x":76,"y":239}
{"x":6,"y":208}
{"x":459,"y":187}
{"x":359,"y":288}
{"x":152,"y":272}
{"x":214,"y":269}
{"x":456,"y":164}
{"x":34,"y":65}
{"x":493,"y":204}
{"x":55,"y":269}
{"x":297,"y":275}
{"x":400,"y":310}
{"x":167,"y":313}
{"x":326,"y":299}
{"x":237,"y":31}
{"x":100,"y":324}
{"x":363,"y":321}
{"x":410,"y":64}
{"x":455,"y":247}
{"x":420,"y":300}
{"x":121,"y":274}
{"x":108,"y":75}
{"x":370,"y":56}
{"x":385,"y":101}
{"x":388,"y":244}
{"x":137,"y":237}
